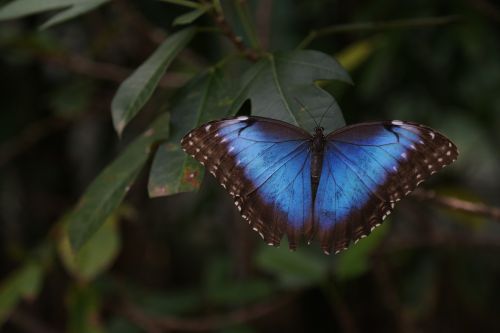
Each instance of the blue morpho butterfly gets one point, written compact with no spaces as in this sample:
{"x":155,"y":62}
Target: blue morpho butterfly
{"x":338,"y":186}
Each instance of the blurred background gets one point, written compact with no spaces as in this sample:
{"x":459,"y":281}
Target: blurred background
{"x":186,"y":262}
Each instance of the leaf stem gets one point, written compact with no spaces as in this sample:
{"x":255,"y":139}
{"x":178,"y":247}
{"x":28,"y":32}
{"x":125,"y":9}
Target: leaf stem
{"x":422,"y":22}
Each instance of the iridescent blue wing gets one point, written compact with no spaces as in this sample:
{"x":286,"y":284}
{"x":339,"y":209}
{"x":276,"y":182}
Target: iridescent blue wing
{"x":366,"y":169}
{"x":265,"y":165}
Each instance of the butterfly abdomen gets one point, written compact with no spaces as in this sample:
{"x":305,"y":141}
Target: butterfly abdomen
{"x":318,"y":148}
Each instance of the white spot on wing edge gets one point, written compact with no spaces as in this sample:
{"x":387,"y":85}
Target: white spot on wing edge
{"x":242,"y":118}
{"x":207,"y":128}
{"x":397,"y":122}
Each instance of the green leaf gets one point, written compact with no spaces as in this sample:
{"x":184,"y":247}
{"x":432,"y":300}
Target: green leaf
{"x":275,"y":83}
{"x":96,"y":255}
{"x":191,"y":16}
{"x":356,"y":260}
{"x":136,"y":90}
{"x":23,"y":283}
{"x":77,"y":9}
{"x":272,"y":85}
{"x":293,"y":269}
{"x":205,"y":98}
{"x":20,"y":8}
{"x":107,"y":191}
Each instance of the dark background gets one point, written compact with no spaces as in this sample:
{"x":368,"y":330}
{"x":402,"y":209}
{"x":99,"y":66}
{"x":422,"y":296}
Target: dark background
{"x":188,"y":259}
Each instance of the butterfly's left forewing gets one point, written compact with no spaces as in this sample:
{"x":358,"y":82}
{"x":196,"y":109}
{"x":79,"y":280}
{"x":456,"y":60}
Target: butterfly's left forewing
{"x":264,"y":164}
{"x":366,"y":169}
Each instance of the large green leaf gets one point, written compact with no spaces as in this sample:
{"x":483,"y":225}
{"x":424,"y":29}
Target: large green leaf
{"x":20,"y":8}
{"x":23,"y":283}
{"x":109,"y":188}
{"x":273,"y":85}
{"x":277,"y":82}
{"x":136,"y":90}
{"x":205,"y":98}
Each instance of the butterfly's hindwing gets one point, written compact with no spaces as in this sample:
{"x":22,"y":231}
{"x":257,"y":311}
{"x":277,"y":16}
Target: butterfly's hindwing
{"x":366,"y":169}
{"x":265,"y":166}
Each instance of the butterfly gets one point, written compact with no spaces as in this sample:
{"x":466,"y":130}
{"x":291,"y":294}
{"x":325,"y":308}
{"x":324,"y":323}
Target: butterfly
{"x":337,"y":187}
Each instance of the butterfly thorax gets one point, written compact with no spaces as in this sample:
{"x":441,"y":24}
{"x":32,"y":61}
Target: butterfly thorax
{"x":318,"y":147}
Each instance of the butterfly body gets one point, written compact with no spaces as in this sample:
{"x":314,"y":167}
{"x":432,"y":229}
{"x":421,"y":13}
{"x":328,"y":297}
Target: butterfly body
{"x":337,"y":186}
{"x":318,"y":147}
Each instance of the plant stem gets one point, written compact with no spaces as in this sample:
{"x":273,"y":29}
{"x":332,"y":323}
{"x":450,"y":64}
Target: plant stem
{"x":476,"y":208}
{"x":220,"y":21}
{"x":376,"y":26}
{"x":246,"y":22}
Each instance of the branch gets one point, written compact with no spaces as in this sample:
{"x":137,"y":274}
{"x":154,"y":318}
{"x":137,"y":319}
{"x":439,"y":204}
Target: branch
{"x":104,"y":71}
{"x":263,"y":17}
{"x":423,"y":22}
{"x":246,"y":22}
{"x":220,"y":21}
{"x":208,"y":323}
{"x":476,"y":208}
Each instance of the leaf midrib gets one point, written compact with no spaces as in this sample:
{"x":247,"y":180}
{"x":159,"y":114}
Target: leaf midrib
{"x":280,"y":91}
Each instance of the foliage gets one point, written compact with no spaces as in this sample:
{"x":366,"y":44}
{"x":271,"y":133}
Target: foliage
{"x":117,"y":260}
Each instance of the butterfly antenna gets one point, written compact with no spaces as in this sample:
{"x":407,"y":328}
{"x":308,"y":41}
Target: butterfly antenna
{"x":328,"y":108}
{"x":305,"y":109}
